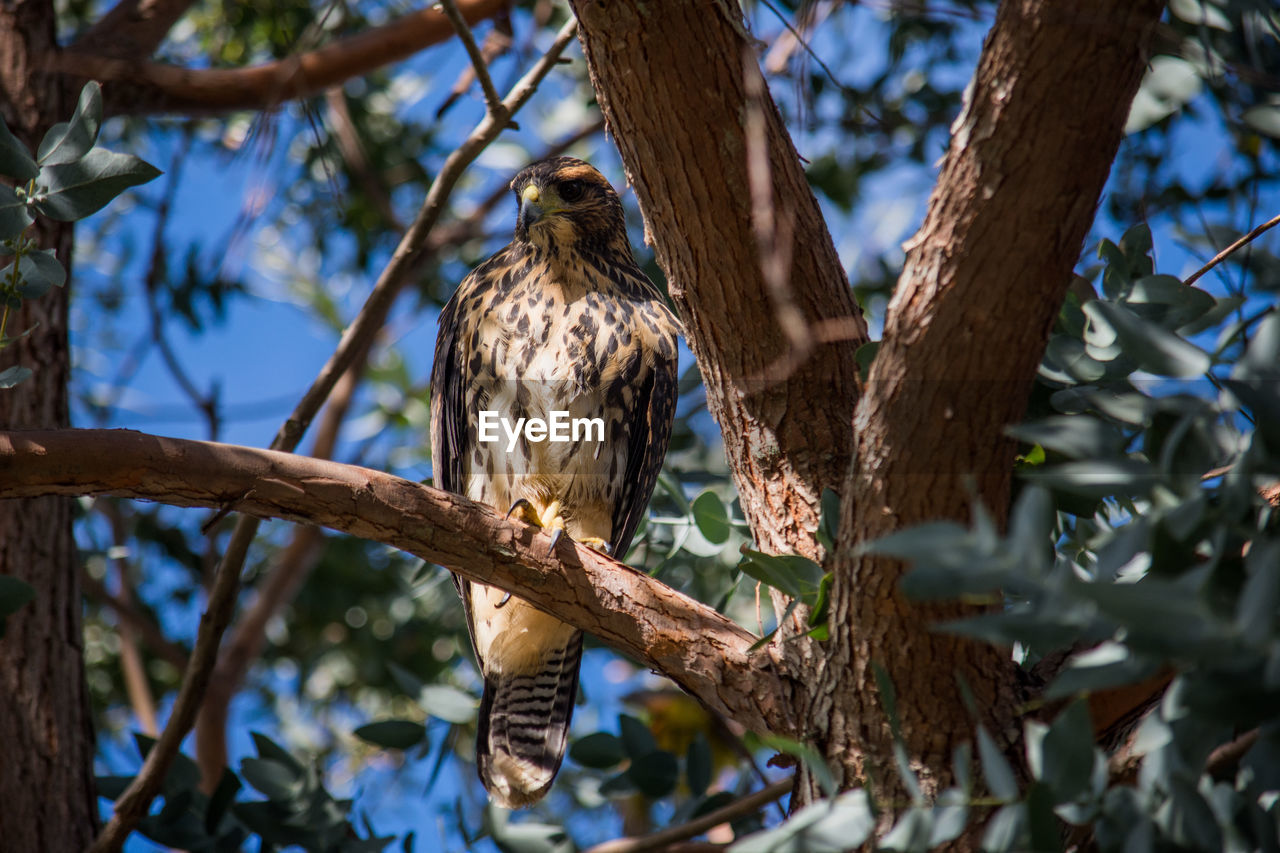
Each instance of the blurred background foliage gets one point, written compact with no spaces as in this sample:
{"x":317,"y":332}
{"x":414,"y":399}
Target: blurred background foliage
{"x":205,"y":302}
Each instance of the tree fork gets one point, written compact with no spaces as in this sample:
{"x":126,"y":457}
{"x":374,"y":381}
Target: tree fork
{"x":991,"y":262}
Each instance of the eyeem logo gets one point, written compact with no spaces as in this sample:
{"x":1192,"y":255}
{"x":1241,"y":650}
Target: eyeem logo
{"x":559,"y":427}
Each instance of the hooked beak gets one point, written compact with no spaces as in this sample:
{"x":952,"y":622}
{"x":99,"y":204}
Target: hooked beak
{"x":531,"y":208}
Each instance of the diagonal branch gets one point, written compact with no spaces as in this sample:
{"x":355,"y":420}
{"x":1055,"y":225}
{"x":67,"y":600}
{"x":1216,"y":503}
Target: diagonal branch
{"x":704,"y":652}
{"x":140,"y":87}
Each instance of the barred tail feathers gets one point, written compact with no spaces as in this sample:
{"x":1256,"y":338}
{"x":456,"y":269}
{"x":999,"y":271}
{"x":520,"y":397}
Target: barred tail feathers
{"x":524,"y":726}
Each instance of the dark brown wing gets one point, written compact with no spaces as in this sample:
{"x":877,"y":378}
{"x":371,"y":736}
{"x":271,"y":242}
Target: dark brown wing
{"x":650,"y":431}
{"x":448,"y":418}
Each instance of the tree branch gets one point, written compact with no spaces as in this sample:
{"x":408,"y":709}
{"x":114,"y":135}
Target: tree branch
{"x":964,"y":334}
{"x":135,"y":86}
{"x":699,"y":649}
{"x":785,"y":441}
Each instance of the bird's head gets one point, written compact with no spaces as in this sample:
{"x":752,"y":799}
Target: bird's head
{"x":565,"y":202}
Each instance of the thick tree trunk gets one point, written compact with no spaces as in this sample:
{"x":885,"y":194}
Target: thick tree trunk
{"x":673,"y":80}
{"x":984,"y":279}
{"x":966,"y":329}
{"x":46,"y":778}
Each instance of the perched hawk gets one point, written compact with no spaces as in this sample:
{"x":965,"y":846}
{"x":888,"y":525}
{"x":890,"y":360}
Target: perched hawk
{"x":560,"y":321}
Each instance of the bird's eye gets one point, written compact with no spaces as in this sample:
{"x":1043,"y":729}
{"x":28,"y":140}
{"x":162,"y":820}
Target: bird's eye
{"x":572,"y":190}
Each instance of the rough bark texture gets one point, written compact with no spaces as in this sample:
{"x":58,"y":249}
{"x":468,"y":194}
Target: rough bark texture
{"x":700,"y":649}
{"x":984,"y":279}
{"x":965,"y":331}
{"x":46,"y":780}
{"x":671,"y":82}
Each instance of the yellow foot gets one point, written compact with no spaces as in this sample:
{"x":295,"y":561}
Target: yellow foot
{"x":595,"y":543}
{"x":548,"y":518}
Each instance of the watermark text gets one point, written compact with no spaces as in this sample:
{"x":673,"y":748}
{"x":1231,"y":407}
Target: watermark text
{"x":558,"y":427}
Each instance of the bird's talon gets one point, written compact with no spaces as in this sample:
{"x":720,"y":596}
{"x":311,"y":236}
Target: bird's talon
{"x":555,"y":540}
{"x":522,"y":504}
{"x":504,"y":600}
{"x":595,"y":543}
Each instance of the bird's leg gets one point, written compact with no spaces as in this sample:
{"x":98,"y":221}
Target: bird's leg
{"x":547,"y":517}
{"x":552,"y":520}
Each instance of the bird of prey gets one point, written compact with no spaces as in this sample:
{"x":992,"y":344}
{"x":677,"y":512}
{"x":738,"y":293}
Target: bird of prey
{"x":560,"y":320}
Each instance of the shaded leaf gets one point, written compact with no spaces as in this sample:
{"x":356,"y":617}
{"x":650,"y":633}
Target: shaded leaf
{"x":600,"y":750}
{"x":447,"y":703}
{"x":392,"y":734}
{"x":14,"y":213}
{"x":15,"y":159}
{"x":68,"y":141}
{"x":14,"y":375}
{"x":829,"y":826}
{"x":710,"y":516}
{"x":75,"y":190}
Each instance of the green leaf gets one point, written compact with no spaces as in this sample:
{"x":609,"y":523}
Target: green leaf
{"x":526,"y":837}
{"x":75,"y":190}
{"x":1097,"y":478}
{"x":710,"y":516}
{"x":810,"y":756}
{"x":15,"y":160}
{"x":38,"y":271}
{"x":1256,"y":611}
{"x":698,"y":765}
{"x":1264,"y":118}
{"x":910,"y":833}
{"x":15,"y":216}
{"x":1006,"y":830}
{"x":793,"y":575}
{"x":273,"y":779}
{"x":1067,"y":754}
{"x":1106,"y":665}
{"x":995,"y":768}
{"x":828,"y":826}
{"x":68,"y":141}
{"x":447,"y":703}
{"x":600,"y":750}
{"x":267,"y":748}
{"x":829,"y":519}
{"x":14,"y":375}
{"x":1076,"y":436}
{"x":1155,"y":349}
{"x":637,"y":740}
{"x":14,"y":593}
{"x":392,"y":734}
{"x":865,"y":355}
{"x":655,"y":774}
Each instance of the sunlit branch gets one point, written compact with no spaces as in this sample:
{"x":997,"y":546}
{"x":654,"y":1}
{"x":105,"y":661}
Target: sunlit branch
{"x":704,"y":652}
{"x":141,"y":87}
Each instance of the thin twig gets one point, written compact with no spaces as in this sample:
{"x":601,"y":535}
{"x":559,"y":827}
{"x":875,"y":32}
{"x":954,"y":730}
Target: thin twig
{"x":698,"y":825}
{"x":134,"y":803}
{"x":1227,"y":252}
{"x":1224,"y":760}
{"x":132,"y":667}
{"x":280,"y":586}
{"x":492,"y":101}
